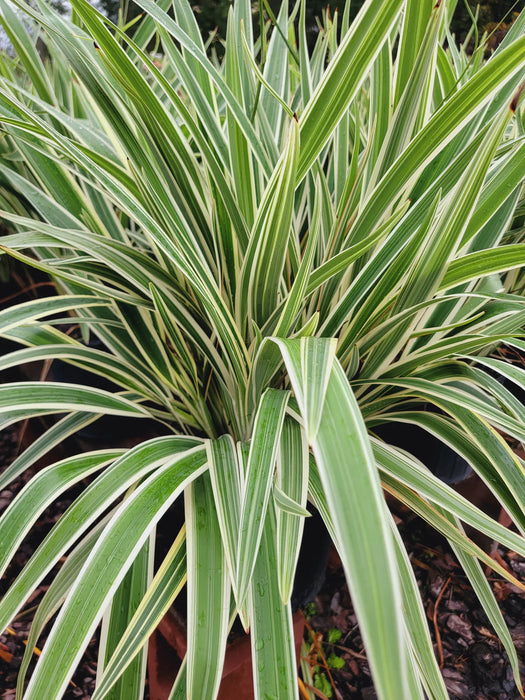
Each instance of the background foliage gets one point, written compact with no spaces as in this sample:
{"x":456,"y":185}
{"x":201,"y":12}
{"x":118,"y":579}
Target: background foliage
{"x":212,"y":14}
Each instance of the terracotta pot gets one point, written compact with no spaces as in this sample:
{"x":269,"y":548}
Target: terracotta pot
{"x":167,"y":648}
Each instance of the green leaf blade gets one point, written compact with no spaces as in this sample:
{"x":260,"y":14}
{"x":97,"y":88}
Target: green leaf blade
{"x":355,"y":501}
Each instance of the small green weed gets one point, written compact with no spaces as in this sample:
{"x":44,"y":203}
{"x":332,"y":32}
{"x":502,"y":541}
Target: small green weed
{"x":323,"y":658}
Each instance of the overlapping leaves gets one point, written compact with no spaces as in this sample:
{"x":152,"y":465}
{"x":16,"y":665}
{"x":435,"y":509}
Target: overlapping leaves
{"x":278,"y":253}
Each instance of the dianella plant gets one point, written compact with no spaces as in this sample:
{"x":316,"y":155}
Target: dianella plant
{"x":278,"y":252}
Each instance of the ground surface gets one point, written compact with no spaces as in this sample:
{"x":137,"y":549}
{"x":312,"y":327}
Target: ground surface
{"x":474,"y":665}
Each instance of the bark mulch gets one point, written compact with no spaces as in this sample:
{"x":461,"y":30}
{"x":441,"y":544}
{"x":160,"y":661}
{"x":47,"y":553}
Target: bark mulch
{"x":12,"y":645}
{"x":474,"y":664}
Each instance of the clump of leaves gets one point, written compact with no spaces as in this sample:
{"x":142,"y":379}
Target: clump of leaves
{"x":279,"y":252}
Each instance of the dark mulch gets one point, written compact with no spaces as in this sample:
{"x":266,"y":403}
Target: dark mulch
{"x":474,"y":663}
{"x":12,"y":645}
{"x":475,"y":666}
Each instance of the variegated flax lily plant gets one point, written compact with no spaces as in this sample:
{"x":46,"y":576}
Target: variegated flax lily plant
{"x":279,"y":252}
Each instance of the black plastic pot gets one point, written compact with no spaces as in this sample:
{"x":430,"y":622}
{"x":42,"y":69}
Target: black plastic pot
{"x":18,"y":286}
{"x":442,"y":461}
{"x":313,"y":558}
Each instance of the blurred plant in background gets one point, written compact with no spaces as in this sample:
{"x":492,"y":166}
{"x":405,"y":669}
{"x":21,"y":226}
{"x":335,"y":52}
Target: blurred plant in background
{"x":492,"y":16}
